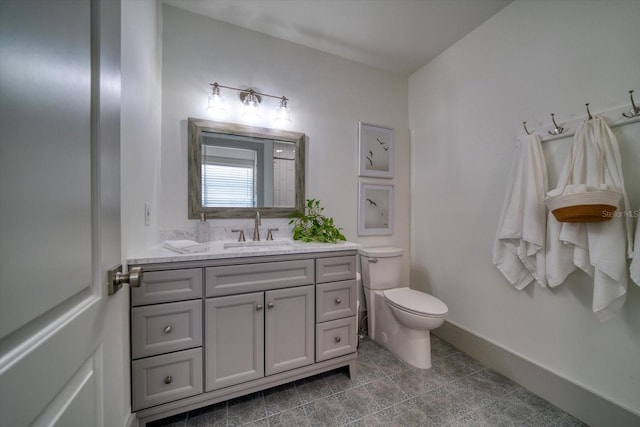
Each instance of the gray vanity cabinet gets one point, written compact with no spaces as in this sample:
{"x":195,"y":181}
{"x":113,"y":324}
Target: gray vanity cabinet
{"x":205,"y":331}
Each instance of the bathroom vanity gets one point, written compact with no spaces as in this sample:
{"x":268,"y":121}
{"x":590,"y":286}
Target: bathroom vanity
{"x":238,"y":319}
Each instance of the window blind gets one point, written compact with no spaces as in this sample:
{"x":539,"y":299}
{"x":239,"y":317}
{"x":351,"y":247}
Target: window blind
{"x":228,"y":182}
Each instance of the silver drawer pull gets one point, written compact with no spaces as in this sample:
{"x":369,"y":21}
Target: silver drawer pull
{"x":167,"y":329}
{"x":258,"y":307}
{"x":372,"y":260}
{"x":337,"y":339}
{"x":338,"y":301}
{"x":270,"y":305}
{"x":168,"y":379}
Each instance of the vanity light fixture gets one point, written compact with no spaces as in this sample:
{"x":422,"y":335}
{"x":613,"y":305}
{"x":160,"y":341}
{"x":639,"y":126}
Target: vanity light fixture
{"x":251,"y":100}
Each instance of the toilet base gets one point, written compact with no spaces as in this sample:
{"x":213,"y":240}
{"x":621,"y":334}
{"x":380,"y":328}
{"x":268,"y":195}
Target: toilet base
{"x":412,"y":346}
{"x":416,"y":351}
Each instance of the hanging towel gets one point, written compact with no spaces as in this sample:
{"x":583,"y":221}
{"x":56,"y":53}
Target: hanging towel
{"x":519,"y":248}
{"x":635,"y":263}
{"x":600,"y":249}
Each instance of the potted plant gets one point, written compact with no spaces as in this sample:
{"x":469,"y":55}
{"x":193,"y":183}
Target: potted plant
{"x":312,"y":226}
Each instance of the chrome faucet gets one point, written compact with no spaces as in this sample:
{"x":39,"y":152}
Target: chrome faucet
{"x":256,"y":230}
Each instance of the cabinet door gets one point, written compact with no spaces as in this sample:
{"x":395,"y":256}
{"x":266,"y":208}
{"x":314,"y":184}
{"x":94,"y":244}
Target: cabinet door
{"x":234,"y":343}
{"x":289,"y":328}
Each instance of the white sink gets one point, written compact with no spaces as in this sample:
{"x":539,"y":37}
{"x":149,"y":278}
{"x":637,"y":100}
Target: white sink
{"x":260,"y":245}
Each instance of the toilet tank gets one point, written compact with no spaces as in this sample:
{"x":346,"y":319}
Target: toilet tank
{"x":381,"y":267}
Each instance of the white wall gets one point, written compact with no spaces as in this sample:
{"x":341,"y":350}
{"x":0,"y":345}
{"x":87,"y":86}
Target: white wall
{"x":140,"y":142}
{"x":329,"y":95}
{"x":140,"y":124}
{"x":466,"y":109}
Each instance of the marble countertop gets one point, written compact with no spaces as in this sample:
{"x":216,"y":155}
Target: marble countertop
{"x":233,"y":249}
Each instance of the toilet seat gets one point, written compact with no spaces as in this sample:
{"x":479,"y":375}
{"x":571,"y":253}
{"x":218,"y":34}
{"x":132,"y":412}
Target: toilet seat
{"x":415,"y":302}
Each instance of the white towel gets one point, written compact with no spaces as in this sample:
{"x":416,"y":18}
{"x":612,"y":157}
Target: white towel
{"x":185,"y":246}
{"x":635,"y":263}
{"x":598,"y":248}
{"x":519,"y":248}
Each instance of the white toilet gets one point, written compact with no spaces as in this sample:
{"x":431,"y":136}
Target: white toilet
{"x":399,"y":318}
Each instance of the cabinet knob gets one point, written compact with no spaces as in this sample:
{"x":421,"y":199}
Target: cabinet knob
{"x":168,"y":379}
{"x":167,"y":329}
{"x":258,"y":307}
{"x":338,"y":300}
{"x":337,"y":339}
{"x":270,"y":305}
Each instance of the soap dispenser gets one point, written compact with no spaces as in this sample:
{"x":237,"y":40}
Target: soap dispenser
{"x":202,"y":233}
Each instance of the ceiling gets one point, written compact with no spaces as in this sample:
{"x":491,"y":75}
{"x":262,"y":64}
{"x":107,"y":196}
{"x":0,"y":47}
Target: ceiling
{"x":395,"y":35}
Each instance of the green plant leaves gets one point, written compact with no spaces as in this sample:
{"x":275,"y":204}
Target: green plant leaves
{"x":312,"y":226}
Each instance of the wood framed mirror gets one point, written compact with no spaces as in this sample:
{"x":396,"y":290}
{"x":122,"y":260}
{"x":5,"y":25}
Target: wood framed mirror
{"x":236,"y":170}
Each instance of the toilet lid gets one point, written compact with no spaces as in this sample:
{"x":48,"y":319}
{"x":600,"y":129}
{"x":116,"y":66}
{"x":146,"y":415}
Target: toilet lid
{"x":416,"y":302}
{"x":382,"y":252}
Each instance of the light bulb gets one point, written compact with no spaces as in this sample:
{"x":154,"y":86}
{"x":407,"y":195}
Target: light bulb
{"x":215,"y":103}
{"x":282,"y":114}
{"x":251,"y":109}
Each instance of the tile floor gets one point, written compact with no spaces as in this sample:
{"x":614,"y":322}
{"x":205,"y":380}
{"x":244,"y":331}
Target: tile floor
{"x":457,"y":391}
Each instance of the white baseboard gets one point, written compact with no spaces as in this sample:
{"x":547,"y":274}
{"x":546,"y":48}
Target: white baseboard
{"x":585,"y":405}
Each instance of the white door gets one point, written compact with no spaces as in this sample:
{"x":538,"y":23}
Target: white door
{"x":62,"y":361}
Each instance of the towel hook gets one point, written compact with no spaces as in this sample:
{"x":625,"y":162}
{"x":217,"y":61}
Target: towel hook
{"x":588,"y":112}
{"x":635,"y":112}
{"x":525,"y":128}
{"x":557,"y":130}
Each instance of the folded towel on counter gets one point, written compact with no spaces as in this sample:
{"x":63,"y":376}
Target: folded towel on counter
{"x":519,"y":249}
{"x":600,"y":249}
{"x":185,"y":246}
{"x":635,"y":263}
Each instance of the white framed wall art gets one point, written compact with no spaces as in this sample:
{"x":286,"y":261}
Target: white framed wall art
{"x":375,"y":145}
{"x":375,"y":209}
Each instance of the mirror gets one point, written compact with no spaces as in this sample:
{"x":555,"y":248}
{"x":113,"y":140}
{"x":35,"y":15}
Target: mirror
{"x":236,"y":170}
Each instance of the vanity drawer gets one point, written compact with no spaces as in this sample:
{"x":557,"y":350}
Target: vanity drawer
{"x":335,"y":338}
{"x":165,"y":378}
{"x":335,"y":268}
{"x":236,"y":279}
{"x":168,"y":286}
{"x":163,"y":328}
{"x":335,"y":300}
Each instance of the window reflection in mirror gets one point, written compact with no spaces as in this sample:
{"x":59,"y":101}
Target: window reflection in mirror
{"x":229,"y":177}
{"x":235,"y":170}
